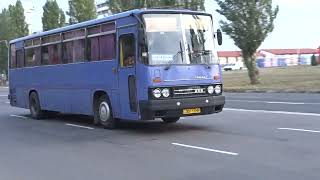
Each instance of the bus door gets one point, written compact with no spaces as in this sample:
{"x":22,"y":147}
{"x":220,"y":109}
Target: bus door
{"x":127,"y":55}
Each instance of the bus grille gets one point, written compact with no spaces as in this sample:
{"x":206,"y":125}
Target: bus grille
{"x":191,"y":91}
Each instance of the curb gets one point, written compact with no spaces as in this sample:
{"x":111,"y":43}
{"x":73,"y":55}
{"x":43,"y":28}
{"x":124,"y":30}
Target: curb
{"x":270,"y":91}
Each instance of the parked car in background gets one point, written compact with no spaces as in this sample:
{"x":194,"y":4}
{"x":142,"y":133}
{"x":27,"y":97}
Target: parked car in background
{"x":233,"y":67}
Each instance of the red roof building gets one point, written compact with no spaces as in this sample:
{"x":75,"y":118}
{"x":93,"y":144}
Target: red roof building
{"x":229,"y":57}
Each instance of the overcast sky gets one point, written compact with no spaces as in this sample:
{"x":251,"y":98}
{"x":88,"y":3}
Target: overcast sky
{"x":297,"y":24}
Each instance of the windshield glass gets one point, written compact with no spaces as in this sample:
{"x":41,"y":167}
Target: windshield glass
{"x":180,"y":39}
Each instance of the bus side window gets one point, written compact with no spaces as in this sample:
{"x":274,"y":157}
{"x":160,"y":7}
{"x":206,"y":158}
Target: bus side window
{"x":13,"y":60}
{"x":127,"y":50}
{"x":32,"y":56}
{"x":67,"y":52}
{"x":20,"y":58}
{"x":101,"y":48}
{"x":45,"y":55}
{"x":54,"y":54}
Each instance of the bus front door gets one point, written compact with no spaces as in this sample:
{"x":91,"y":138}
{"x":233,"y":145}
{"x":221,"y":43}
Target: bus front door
{"x":127,"y":54}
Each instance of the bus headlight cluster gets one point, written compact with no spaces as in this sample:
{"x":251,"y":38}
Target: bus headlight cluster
{"x":158,"y":93}
{"x":210,"y":89}
{"x":217,"y":89}
{"x":165,"y":92}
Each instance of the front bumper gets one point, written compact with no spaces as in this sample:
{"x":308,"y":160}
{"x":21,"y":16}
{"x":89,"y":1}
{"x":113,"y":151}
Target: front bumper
{"x":174,"y":107}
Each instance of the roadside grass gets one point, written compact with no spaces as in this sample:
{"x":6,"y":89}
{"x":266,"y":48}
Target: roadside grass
{"x":286,"y":79}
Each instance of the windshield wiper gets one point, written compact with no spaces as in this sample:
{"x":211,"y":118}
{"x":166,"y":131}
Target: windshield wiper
{"x":174,"y":57}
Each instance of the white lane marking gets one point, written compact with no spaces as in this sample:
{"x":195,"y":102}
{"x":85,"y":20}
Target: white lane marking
{"x":74,"y":125}
{"x":3,"y":95}
{"x":290,"y":103}
{"x":23,"y":117}
{"x":205,"y":149}
{"x":301,"y":130}
{"x":276,"y":102}
{"x":7,"y":102}
{"x":273,"y":112}
{"x":4,"y":87}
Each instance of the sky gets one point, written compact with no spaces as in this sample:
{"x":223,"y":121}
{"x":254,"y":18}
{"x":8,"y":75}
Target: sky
{"x":297,"y":24}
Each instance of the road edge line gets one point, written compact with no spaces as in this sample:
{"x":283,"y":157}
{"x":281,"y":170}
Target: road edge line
{"x":273,"y":112}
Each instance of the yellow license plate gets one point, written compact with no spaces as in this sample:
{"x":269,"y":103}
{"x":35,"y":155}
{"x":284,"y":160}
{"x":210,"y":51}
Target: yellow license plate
{"x":191,"y":111}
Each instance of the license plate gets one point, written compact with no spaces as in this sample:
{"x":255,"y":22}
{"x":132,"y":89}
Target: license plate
{"x":191,"y":111}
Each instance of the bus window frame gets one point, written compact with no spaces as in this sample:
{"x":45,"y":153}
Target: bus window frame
{"x":121,"y":58}
{"x":37,"y":42}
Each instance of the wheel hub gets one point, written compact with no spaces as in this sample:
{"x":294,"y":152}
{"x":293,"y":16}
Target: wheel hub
{"x":104,"y":112}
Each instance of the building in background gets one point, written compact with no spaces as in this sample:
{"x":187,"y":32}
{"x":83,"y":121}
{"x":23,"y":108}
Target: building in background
{"x":229,"y":57}
{"x":102,"y":8}
{"x":272,"y":57}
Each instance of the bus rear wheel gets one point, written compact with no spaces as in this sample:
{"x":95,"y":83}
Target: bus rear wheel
{"x":34,"y":106}
{"x":103,"y":113}
{"x":170,"y":120}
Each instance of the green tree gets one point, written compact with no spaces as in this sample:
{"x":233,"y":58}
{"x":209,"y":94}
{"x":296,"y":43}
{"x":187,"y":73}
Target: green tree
{"x":4,"y":30}
{"x":314,"y":60}
{"x":13,"y":25}
{"x":248,"y":23}
{"x":53,"y":17}
{"x":18,"y":26}
{"x":195,"y":5}
{"x":81,"y":10}
{"x":117,"y":6}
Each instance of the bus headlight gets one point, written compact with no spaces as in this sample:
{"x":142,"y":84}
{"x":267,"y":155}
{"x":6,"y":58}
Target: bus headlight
{"x":165,"y":92}
{"x":210,"y":89}
{"x":156,"y":93}
{"x":218,"y":89}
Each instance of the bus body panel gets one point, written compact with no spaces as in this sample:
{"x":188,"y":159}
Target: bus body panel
{"x":66,"y":88}
{"x":177,"y":75}
{"x":70,"y":88}
{"x":127,"y":26}
{"x":184,"y":75}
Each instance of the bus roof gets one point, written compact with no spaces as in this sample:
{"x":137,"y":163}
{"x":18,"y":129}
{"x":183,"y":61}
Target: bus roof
{"x":105,"y":19}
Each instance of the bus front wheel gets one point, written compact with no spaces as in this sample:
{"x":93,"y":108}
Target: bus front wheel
{"x":34,"y":105}
{"x":103,"y":113}
{"x":170,"y":120}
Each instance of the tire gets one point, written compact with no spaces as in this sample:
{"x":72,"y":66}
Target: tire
{"x":170,"y":120}
{"x":34,"y":106}
{"x":103,"y":113}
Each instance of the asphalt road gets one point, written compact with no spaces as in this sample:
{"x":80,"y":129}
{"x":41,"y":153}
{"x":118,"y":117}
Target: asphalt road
{"x":258,"y":136}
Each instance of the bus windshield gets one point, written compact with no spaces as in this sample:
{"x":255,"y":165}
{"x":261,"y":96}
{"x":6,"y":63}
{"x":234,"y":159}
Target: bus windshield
{"x":180,"y":39}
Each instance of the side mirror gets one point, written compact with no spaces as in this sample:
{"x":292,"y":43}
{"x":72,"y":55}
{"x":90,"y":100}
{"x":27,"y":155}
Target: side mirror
{"x":219,"y":37}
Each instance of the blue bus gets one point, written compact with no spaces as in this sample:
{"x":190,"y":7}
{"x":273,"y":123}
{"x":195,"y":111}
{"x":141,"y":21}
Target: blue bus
{"x":136,"y":65}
